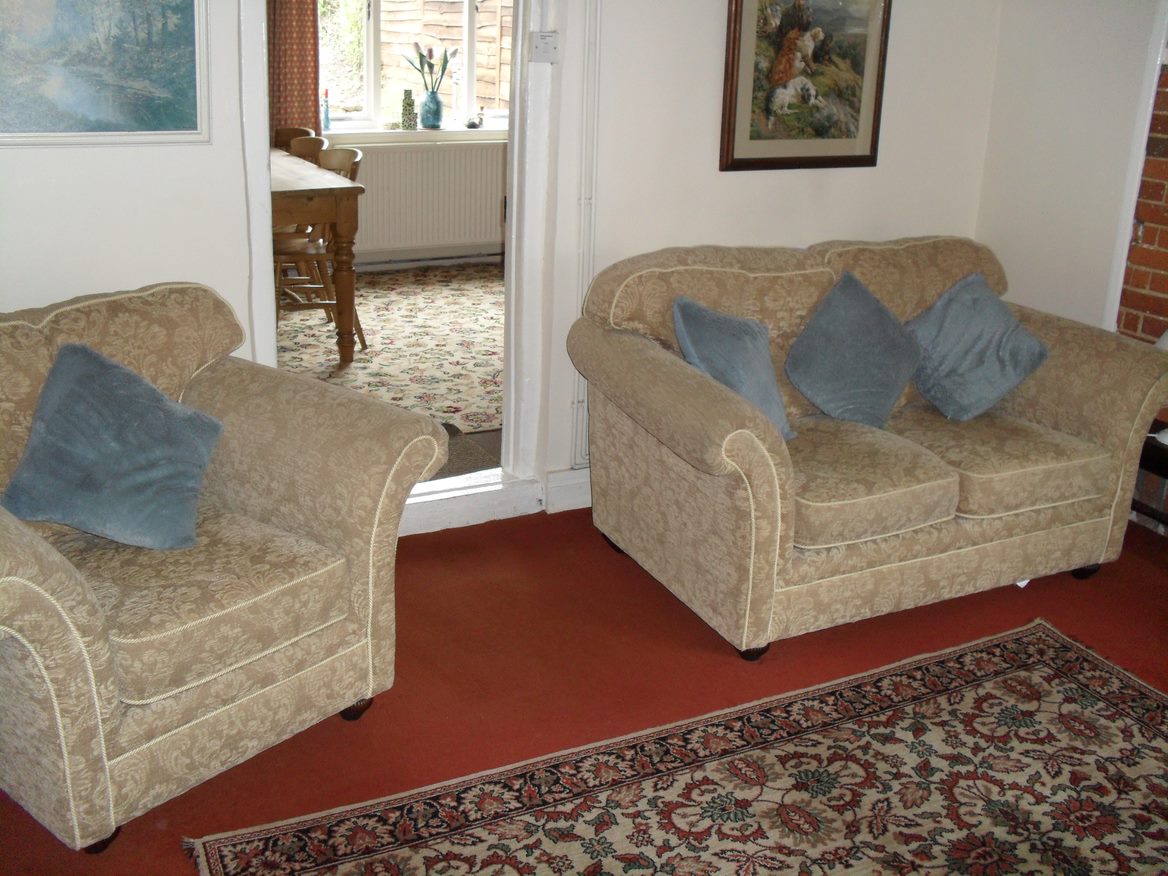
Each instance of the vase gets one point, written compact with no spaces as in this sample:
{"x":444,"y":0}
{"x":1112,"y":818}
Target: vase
{"x":409,"y":114}
{"x":431,"y":115}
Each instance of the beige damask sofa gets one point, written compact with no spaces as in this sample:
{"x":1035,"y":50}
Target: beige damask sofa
{"x":766,"y":538}
{"x":128,"y":675}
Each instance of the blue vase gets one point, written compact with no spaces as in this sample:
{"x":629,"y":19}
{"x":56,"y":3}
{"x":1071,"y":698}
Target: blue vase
{"x":431,"y":115}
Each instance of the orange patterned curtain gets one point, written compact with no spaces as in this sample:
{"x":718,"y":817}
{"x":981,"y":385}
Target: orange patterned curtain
{"x":293,"y":65}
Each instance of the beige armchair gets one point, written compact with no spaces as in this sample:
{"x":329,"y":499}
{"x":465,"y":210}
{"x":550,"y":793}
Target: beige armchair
{"x":129,"y":675}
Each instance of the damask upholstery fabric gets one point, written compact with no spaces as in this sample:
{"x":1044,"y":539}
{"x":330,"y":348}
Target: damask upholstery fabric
{"x":909,"y":274}
{"x":854,"y":483}
{"x":779,"y":287}
{"x":178,"y":619}
{"x":693,"y":484}
{"x":1006,"y":464}
{"x":155,"y":670}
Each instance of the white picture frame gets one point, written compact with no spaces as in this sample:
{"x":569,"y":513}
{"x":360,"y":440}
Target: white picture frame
{"x":118,"y":72}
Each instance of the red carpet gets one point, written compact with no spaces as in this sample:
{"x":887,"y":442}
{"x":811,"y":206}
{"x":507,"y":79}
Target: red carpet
{"x":524,"y":637}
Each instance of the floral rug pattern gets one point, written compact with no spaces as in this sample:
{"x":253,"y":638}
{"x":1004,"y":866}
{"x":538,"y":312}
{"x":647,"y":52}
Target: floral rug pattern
{"x":435,"y":338}
{"x":1024,"y":753}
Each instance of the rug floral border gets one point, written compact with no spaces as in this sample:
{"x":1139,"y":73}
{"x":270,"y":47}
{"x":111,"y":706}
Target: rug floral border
{"x":476,"y":801}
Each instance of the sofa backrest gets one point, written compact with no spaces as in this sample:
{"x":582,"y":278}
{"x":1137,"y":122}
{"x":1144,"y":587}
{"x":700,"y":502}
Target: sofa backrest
{"x":780,"y":286}
{"x":167,"y":333}
{"x":911,"y":273}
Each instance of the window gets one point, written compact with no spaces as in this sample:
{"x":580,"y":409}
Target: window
{"x":364,"y":45}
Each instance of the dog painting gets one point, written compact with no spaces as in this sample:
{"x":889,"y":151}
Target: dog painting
{"x":807,"y":73}
{"x":814,"y":52}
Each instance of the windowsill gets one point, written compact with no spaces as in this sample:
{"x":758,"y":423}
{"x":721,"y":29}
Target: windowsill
{"x":359,"y":134}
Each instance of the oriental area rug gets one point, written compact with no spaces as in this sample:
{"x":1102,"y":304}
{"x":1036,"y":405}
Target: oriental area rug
{"x":435,"y":337}
{"x":1022,"y":753}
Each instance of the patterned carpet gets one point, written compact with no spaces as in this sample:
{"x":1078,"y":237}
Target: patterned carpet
{"x":1022,"y":753}
{"x":435,"y":339}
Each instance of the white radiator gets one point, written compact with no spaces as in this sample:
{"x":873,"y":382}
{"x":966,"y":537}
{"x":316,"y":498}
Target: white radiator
{"x":430,"y":200}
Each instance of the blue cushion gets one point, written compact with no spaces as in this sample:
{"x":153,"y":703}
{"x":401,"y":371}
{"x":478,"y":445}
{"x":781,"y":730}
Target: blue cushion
{"x":734,"y":351}
{"x":853,"y":359}
{"x":110,"y":454}
{"x":973,"y":350}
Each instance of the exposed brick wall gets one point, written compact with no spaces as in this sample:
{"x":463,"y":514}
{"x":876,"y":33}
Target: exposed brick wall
{"x":1143,"y":306}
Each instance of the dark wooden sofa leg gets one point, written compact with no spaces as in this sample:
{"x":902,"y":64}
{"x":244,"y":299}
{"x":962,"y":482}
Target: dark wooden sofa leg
{"x":101,"y":845}
{"x":355,"y":711}
{"x":1085,"y":572}
{"x":612,"y":544}
{"x":752,"y":654}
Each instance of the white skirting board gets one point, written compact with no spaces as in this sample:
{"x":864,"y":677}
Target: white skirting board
{"x":490,"y":495}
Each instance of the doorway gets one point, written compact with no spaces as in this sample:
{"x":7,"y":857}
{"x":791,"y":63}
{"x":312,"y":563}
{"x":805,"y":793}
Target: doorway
{"x":426,"y":346}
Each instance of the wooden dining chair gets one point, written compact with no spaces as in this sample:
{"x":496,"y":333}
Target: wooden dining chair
{"x":308,"y":148}
{"x":282,"y":137}
{"x":342,"y":160}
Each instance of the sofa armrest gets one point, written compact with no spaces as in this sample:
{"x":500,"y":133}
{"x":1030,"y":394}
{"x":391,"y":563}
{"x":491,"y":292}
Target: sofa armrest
{"x":318,"y":460}
{"x":1097,"y":385}
{"x":323,"y":462}
{"x":57,"y":685}
{"x":733,"y":468}
{"x":688,"y":411}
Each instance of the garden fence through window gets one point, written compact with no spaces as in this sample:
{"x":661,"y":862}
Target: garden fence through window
{"x":364,"y":45}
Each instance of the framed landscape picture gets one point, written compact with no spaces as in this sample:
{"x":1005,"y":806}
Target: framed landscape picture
{"x":115,"y":71}
{"x":804,"y":83}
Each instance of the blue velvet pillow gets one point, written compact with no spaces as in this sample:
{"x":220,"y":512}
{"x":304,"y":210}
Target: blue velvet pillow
{"x":853,"y":359}
{"x":734,"y":351}
{"x":110,"y":454}
{"x":973,"y":350}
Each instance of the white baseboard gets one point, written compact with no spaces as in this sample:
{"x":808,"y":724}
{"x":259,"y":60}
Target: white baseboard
{"x":567,"y":490}
{"x":467,"y":500}
{"x":489,"y":495}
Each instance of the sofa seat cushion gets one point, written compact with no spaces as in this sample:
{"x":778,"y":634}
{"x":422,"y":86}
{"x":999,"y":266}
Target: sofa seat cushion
{"x":178,"y":619}
{"x":1007,"y":465}
{"x":854,"y":483}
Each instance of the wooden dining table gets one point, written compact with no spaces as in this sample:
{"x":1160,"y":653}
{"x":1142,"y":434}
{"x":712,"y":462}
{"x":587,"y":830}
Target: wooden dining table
{"x":304,"y":194}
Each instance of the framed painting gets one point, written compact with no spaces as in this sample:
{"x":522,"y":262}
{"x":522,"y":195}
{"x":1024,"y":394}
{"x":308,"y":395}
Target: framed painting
{"x":118,"y":71}
{"x":804,"y":83}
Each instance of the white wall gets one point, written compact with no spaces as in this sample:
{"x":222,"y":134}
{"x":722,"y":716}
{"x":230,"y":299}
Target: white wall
{"x":82,"y":219}
{"x":1074,"y":85}
{"x":661,"y":98}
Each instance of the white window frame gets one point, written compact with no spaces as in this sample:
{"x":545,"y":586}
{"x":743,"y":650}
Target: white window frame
{"x":370,"y":120}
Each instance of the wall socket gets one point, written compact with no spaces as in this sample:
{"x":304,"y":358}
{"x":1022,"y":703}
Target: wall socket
{"x":545,"y":47}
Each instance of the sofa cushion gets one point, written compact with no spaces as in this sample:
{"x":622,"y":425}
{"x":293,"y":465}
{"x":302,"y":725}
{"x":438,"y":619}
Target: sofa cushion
{"x":179,"y":619}
{"x":734,"y":351}
{"x":167,"y":333}
{"x":1007,"y":465}
{"x":854,"y":483}
{"x":973,"y":350}
{"x":854,"y":358}
{"x":112,"y":455}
